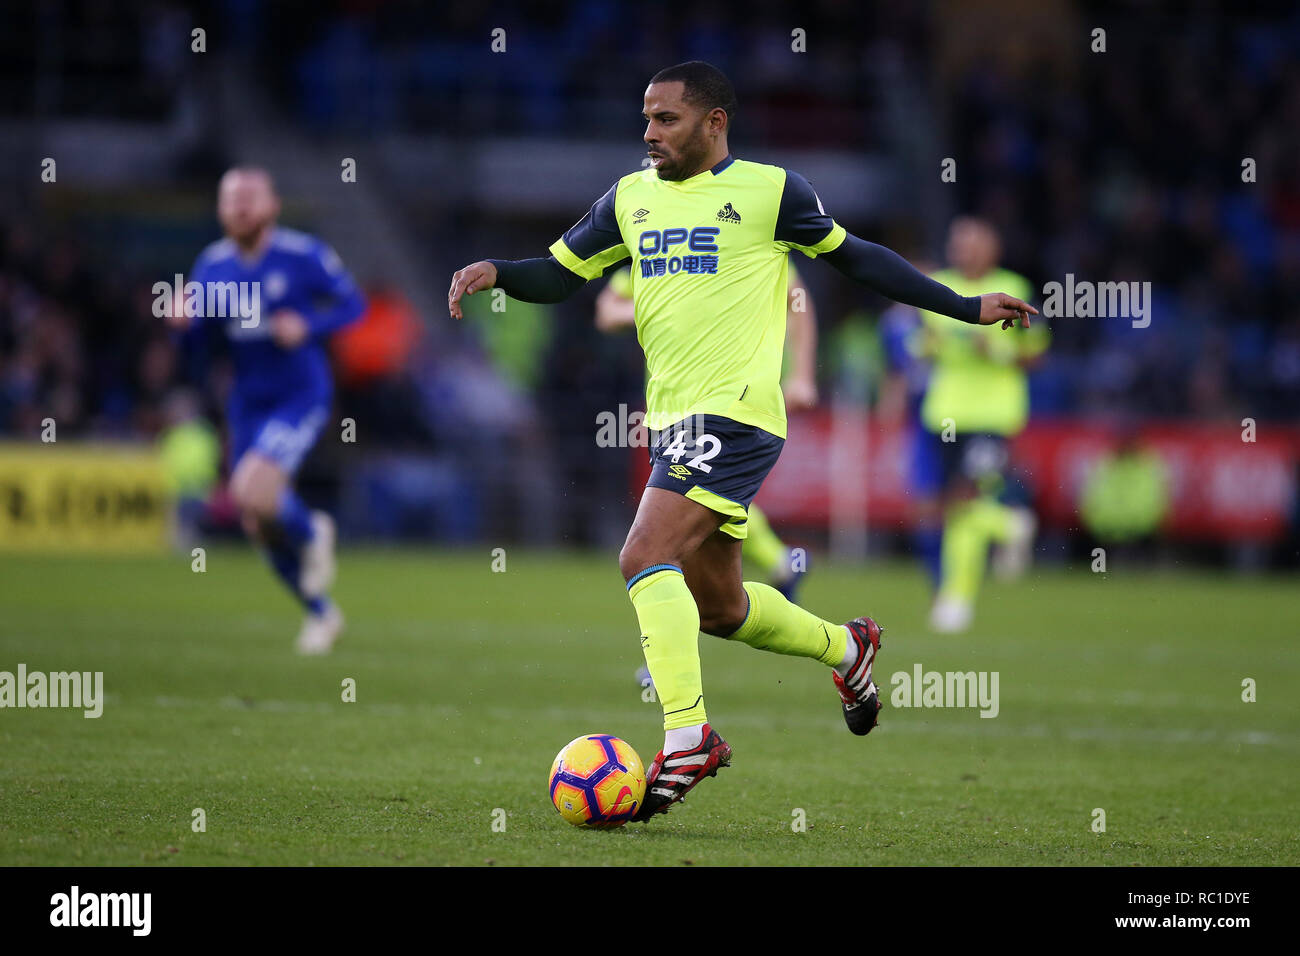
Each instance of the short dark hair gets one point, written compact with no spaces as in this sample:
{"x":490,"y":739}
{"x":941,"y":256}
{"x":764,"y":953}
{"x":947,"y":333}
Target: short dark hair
{"x":704,"y":85}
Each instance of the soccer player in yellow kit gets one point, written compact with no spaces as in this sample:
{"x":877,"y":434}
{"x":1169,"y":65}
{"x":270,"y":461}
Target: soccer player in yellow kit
{"x":761,"y":546}
{"x":708,"y":237}
{"x":976,"y":401}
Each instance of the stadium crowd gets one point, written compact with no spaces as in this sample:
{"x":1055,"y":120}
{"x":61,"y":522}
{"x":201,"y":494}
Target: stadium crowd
{"x":1118,"y":166}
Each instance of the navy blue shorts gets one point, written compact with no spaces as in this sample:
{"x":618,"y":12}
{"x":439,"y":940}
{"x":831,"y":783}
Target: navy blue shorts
{"x":715,"y":461}
{"x":979,"y":457}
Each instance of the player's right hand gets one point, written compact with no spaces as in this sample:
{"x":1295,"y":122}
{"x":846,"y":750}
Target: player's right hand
{"x":1000,"y":307}
{"x":473,"y":278}
{"x":289,"y":329}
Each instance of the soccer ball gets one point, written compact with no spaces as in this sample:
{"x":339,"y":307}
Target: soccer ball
{"x":597,"y":781}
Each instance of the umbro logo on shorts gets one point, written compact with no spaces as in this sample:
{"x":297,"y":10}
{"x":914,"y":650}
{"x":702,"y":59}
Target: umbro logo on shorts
{"x":679,"y":471}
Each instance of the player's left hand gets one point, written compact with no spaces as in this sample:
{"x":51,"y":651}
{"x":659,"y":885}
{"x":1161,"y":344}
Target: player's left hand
{"x":289,"y":329}
{"x":475,"y":277}
{"x":800,"y":394}
{"x":1000,"y":307}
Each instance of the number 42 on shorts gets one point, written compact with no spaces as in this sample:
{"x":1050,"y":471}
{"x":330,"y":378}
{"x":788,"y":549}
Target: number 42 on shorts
{"x":707,"y":445}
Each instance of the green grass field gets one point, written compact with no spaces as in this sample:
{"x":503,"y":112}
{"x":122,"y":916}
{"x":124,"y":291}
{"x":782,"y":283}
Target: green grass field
{"x":1121,"y":692}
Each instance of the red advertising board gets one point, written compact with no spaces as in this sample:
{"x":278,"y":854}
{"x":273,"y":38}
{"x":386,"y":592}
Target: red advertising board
{"x":1222,"y":488}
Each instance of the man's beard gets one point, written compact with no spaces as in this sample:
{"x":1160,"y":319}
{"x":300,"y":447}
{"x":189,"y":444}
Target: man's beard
{"x":250,"y":235}
{"x":688,"y":157}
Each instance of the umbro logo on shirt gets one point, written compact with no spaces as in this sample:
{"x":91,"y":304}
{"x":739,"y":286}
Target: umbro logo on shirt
{"x":639,"y":216}
{"x":727,"y":214}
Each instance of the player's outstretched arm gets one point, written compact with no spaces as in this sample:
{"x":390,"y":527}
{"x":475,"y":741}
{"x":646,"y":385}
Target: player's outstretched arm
{"x":528,"y":280}
{"x":593,"y":244}
{"x":894,"y":277}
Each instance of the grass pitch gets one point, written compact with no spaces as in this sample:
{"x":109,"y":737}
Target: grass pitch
{"x":1120,"y":691}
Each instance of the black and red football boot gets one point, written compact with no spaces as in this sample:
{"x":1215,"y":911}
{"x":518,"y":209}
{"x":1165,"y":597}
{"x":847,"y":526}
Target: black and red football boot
{"x":858,"y":695}
{"x":671,"y":777}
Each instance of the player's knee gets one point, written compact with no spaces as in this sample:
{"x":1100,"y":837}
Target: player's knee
{"x":255,"y":499}
{"x":723,"y":620}
{"x":639,"y":553}
{"x":633,"y":559}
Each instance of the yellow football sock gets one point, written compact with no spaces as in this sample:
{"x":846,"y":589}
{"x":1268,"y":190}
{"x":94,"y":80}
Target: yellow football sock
{"x":670,"y":640}
{"x":774,"y":624}
{"x":969,"y":529}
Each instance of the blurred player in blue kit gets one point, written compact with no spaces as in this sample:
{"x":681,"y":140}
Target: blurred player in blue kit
{"x":280,"y":400}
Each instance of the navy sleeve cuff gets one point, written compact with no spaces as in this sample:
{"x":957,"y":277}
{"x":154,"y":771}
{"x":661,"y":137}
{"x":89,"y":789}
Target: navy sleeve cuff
{"x":536,"y":280}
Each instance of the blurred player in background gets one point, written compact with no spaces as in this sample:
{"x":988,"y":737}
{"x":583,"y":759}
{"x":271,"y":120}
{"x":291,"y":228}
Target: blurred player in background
{"x":709,"y":237}
{"x":762,"y":547}
{"x":191,"y":453}
{"x":976,"y":399}
{"x":283,"y":387}
{"x":1126,"y":495}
